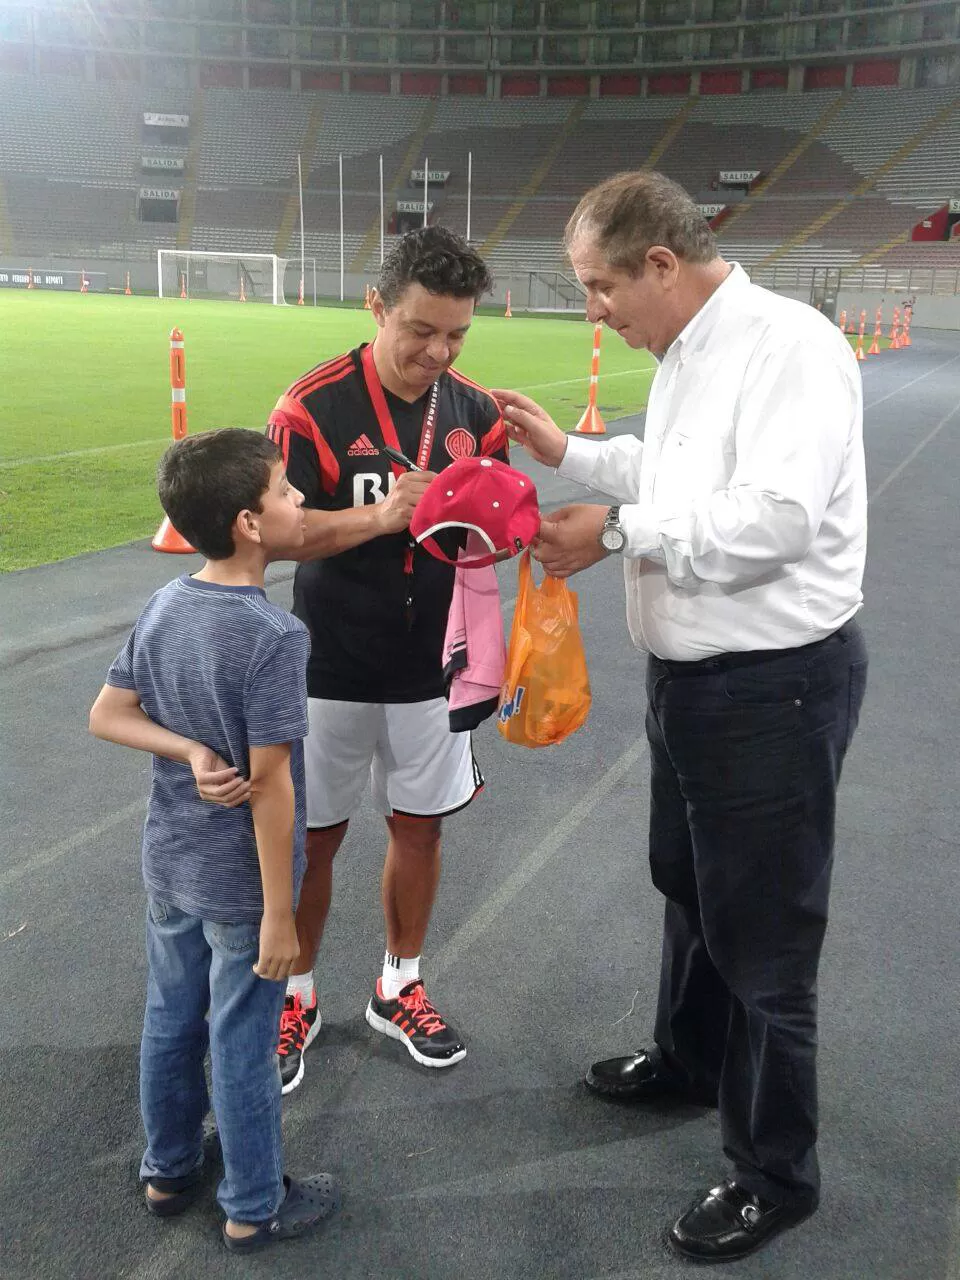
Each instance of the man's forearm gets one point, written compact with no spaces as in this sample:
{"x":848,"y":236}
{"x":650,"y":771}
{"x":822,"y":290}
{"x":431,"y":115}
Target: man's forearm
{"x":327,"y":533}
{"x":272,"y":805}
{"x":611,"y":467}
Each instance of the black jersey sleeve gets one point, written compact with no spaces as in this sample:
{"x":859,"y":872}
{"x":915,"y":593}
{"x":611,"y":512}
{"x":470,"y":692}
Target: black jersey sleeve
{"x":311,"y":465}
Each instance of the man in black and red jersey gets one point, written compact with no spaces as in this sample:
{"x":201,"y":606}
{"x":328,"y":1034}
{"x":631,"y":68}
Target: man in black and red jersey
{"x":377,"y":610}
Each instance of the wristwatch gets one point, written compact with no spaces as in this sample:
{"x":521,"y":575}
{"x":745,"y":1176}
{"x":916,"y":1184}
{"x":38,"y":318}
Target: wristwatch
{"x":612,"y":537}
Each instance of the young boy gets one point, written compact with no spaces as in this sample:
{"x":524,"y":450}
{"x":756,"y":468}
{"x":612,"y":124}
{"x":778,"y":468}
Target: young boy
{"x":213,"y":677}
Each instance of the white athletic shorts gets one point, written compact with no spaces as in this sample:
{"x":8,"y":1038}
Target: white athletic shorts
{"x":415,"y":765}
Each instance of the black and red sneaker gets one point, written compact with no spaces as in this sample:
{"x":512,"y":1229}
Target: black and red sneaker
{"x":413,"y":1020}
{"x":299,"y":1024}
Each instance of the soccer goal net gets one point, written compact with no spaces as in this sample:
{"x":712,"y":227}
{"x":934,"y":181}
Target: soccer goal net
{"x":239,"y":277}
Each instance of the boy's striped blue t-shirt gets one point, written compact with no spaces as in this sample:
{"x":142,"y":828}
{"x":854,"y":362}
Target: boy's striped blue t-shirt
{"x":224,"y":666}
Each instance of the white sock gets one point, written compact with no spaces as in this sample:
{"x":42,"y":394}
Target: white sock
{"x":301,"y":984}
{"x":398,"y":972}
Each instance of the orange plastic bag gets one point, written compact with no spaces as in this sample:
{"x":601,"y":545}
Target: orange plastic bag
{"x":546,"y":689}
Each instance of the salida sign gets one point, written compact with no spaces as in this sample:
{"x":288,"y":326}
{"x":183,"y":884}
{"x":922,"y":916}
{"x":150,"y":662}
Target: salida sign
{"x":171,"y":164}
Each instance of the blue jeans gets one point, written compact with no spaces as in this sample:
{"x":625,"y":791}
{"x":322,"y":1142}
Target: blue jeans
{"x":194,"y":966}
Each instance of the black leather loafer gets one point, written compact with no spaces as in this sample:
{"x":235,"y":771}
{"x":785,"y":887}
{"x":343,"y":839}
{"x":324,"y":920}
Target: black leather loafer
{"x":642,"y":1077}
{"x":730,"y":1222}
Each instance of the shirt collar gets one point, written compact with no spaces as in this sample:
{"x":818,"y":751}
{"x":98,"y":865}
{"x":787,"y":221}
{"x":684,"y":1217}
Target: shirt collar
{"x":686,"y":341}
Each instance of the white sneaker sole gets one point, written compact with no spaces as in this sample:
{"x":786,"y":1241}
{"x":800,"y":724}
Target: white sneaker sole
{"x":388,"y":1028}
{"x":311,"y":1036}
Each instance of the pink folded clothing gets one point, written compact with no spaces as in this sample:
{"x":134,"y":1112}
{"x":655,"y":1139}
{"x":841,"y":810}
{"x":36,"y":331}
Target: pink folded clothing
{"x":474,"y":651}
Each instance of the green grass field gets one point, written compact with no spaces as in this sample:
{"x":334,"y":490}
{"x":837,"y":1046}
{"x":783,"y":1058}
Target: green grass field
{"x":85,"y":396}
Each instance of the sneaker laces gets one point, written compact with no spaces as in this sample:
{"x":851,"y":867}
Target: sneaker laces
{"x":416,"y":1004}
{"x":293,"y":1027}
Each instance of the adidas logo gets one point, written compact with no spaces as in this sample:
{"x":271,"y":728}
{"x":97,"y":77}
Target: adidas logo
{"x":363,"y":447}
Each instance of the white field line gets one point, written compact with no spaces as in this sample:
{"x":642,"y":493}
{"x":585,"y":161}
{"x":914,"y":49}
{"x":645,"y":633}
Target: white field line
{"x":140,"y":444}
{"x":38,"y":459}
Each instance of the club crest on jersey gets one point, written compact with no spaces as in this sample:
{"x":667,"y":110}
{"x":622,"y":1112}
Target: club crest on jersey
{"x":460,"y":444}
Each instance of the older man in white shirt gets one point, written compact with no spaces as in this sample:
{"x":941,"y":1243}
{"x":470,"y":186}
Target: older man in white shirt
{"x":741,"y":520}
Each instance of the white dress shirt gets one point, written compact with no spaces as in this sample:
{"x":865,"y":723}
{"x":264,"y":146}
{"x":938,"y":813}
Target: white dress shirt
{"x":745,"y":508}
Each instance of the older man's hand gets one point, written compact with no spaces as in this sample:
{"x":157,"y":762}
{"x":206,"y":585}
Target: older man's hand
{"x":570,"y":539}
{"x":528,"y":424}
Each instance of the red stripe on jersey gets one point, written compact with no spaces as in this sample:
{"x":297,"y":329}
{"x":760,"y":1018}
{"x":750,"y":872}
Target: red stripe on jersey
{"x":338,"y":375}
{"x":454,"y":373}
{"x":322,"y":374}
{"x":284,"y":443}
{"x":291,"y":416}
{"x":494,"y":440}
{"x":329,"y":466}
{"x":280,"y":437}
{"x":326,"y":367}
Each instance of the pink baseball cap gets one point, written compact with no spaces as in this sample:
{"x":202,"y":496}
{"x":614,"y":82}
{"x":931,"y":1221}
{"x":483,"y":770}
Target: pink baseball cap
{"x":486,"y":497}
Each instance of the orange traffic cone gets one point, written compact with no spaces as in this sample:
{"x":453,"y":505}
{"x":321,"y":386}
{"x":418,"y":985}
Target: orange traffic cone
{"x":127,"y":290}
{"x":178,"y":385}
{"x":907,"y":321}
{"x":895,"y":329}
{"x":508,"y":313}
{"x":167,"y":539}
{"x":863,"y":322}
{"x":591,"y":424}
{"x":875,"y":344}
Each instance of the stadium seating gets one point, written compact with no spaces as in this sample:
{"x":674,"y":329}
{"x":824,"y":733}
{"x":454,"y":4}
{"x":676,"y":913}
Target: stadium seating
{"x":250,"y":138}
{"x":70,"y":167}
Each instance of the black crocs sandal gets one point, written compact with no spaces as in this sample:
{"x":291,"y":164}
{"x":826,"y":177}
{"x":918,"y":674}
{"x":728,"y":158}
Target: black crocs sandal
{"x":185,"y":1191}
{"x":306,"y":1203}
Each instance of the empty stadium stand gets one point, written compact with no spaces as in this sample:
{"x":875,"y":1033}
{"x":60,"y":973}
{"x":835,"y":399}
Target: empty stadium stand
{"x":844,"y":174}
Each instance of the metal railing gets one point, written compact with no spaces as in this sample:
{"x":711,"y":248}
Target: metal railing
{"x":542,"y":289}
{"x":938,"y":281}
{"x":548,"y":291}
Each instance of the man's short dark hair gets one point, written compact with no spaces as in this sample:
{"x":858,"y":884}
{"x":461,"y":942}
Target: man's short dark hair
{"x":626,"y":214}
{"x":205,"y":481}
{"x":438,"y":260}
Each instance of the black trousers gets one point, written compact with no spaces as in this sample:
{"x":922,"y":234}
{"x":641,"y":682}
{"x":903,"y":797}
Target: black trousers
{"x":746,"y":751}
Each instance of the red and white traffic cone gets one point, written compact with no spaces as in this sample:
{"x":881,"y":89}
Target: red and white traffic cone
{"x":591,"y":424}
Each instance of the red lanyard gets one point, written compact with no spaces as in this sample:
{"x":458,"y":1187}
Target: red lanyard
{"x":390,"y":437}
{"x":384,"y":418}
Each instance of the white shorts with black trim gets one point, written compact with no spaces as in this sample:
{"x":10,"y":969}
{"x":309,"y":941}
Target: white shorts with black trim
{"x":416,"y":767}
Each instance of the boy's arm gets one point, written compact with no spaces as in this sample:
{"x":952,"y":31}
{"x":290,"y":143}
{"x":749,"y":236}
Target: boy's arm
{"x":272,"y":804}
{"x":117,"y":716}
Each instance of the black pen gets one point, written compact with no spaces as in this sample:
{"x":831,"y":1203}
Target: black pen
{"x":399,"y":458}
